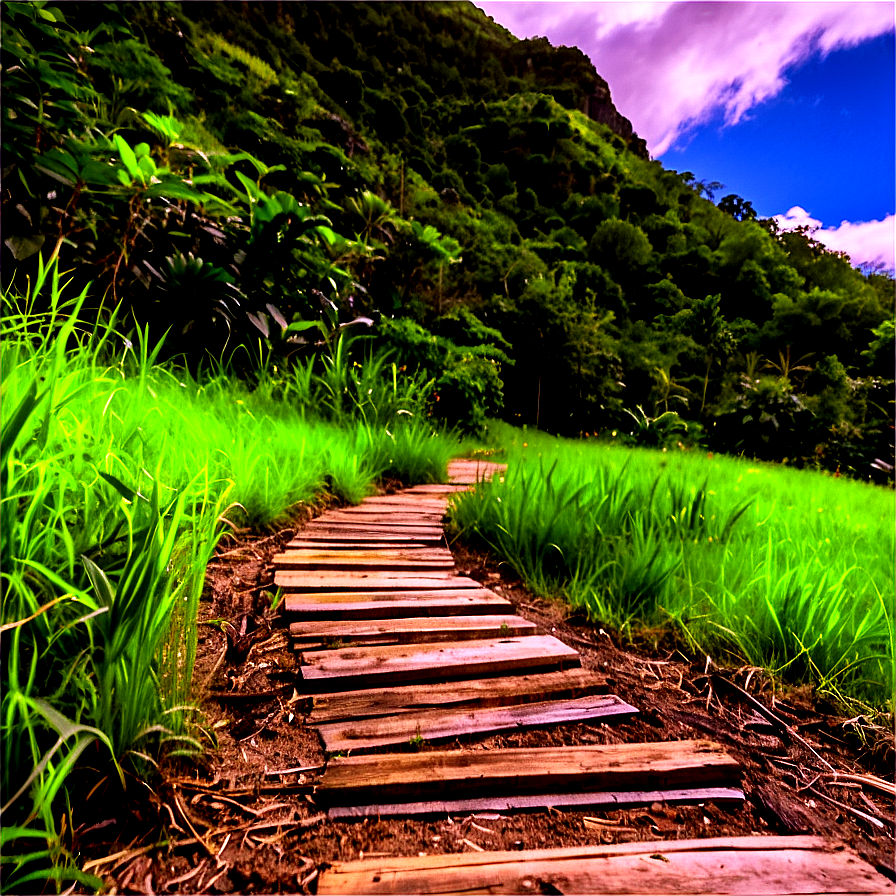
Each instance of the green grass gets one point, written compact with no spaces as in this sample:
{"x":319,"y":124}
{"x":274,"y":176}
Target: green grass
{"x":119,"y":475}
{"x":752,"y":563}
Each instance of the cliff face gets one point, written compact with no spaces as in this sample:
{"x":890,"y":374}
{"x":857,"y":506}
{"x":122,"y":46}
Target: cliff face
{"x":599,"y":107}
{"x":568,"y":75}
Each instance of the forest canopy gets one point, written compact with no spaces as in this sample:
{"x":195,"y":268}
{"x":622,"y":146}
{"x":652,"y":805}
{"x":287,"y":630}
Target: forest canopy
{"x":238,"y":176}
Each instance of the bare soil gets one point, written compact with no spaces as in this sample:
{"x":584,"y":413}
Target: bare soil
{"x":246,"y":821}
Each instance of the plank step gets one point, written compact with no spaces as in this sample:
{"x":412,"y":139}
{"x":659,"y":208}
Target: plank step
{"x":448,"y":724}
{"x":741,"y":866}
{"x":480,"y":693}
{"x":604,"y":801}
{"x":394,"y":604}
{"x":617,"y":767}
{"x":296,"y":581}
{"x":414,"y":629}
{"x":361,"y":544}
{"x":357,"y":667}
{"x":372,"y":516}
{"x":349,"y":560}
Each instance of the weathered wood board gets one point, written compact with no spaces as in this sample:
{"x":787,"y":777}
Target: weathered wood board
{"x":356,"y":667}
{"x":447,"y":489}
{"x":484,"y":692}
{"x":415,"y":776}
{"x":395,"y":604}
{"x":382,"y":516}
{"x":404,"y":500}
{"x":739,"y":866}
{"x":414,"y":629}
{"x":602,"y":800}
{"x":294,"y":581}
{"x":312,"y":559}
{"x":447,"y":724}
{"x":369,"y":525}
{"x":361,"y":544}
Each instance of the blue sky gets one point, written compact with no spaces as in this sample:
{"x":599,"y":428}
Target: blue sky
{"x":826,"y":142}
{"x":788,"y":104}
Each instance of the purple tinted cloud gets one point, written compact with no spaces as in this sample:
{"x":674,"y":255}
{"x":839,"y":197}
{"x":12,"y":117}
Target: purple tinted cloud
{"x":673,"y":66}
{"x":862,"y":241}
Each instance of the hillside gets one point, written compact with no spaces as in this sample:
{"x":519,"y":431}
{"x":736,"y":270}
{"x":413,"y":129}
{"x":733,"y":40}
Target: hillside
{"x":227,"y":170}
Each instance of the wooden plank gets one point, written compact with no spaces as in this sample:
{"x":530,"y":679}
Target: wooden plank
{"x":447,"y":489}
{"x":447,"y":603}
{"x":374,"y":532}
{"x":413,"y":552}
{"x":738,"y":866}
{"x":407,"y":496}
{"x":369,"y":524}
{"x":486,"y":692}
{"x":383,"y":516}
{"x":415,"y":776}
{"x":604,"y":801}
{"x":361,"y":544}
{"x":415,"y":629}
{"x":356,"y":667}
{"x":448,"y":724}
{"x":335,"y":563}
{"x":296,"y":581}
{"x":385,"y":560}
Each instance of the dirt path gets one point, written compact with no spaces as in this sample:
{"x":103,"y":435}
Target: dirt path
{"x":397,"y":690}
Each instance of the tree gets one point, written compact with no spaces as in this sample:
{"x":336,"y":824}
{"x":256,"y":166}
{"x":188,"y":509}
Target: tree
{"x":739,"y":209}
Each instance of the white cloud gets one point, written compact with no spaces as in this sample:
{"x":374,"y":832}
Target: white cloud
{"x":862,"y":241}
{"x":673,"y":66}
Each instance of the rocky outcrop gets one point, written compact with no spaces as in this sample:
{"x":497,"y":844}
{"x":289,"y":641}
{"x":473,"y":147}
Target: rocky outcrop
{"x":599,"y":107}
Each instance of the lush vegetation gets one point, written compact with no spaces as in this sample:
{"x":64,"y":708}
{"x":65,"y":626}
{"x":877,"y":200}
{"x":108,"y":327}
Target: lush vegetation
{"x":298,"y":239}
{"x":751,"y":563}
{"x":119,"y":475}
{"x":201,"y":162}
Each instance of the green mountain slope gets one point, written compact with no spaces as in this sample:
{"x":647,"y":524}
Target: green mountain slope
{"x":225,"y":170}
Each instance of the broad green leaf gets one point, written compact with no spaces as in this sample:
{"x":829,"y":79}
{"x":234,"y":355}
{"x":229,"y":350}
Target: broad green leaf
{"x":300,"y":326}
{"x":147,"y":166}
{"x":174,"y":190}
{"x":128,"y":159}
{"x":252,"y":189}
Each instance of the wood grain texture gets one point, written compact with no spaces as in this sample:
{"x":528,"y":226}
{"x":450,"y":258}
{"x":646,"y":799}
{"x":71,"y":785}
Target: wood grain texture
{"x":447,"y":724}
{"x":295,"y":581}
{"x":357,"y":667}
{"x":394,"y":604}
{"x":356,"y":544}
{"x":743,"y":866}
{"x":566,"y":802}
{"x":639,"y":766}
{"x":314,"y":559}
{"x":505,"y":691}
{"x":414,"y":629}
{"x":383,"y":516}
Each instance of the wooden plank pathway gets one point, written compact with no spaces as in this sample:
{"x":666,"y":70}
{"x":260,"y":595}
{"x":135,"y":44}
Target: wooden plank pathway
{"x":397,"y":649}
{"x":746,"y":866}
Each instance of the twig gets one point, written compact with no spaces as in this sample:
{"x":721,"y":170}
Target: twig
{"x":298,"y":770}
{"x":185,"y":877}
{"x":871,"y":781}
{"x":472,"y":845}
{"x":774,"y":719}
{"x":118,"y":857}
{"x":857,"y":812}
{"x":193,"y":831}
{"x":225,"y":799}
